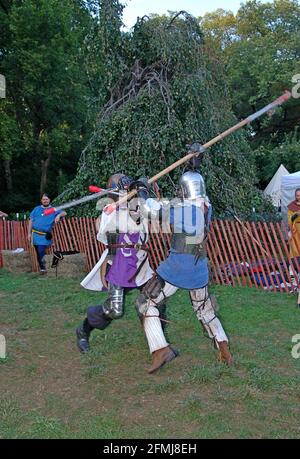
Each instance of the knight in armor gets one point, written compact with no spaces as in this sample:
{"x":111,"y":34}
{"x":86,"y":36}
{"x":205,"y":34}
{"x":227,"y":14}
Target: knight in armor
{"x":124,"y":264}
{"x":186,"y":266}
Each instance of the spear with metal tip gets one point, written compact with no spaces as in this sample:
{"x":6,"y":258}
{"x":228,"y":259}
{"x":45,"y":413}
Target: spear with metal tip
{"x":98,"y":193}
{"x":197,"y":148}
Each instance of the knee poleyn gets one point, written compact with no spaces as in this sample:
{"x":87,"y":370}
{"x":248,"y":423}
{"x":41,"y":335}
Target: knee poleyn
{"x":113,"y":312}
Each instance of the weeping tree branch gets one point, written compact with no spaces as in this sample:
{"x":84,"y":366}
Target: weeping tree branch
{"x":153,"y":76}
{"x":139,"y":78}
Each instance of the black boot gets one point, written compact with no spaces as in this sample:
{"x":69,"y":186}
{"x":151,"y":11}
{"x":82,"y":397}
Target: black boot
{"x":83,"y":333}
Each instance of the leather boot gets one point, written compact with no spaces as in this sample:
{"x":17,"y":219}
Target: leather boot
{"x":162,"y":356}
{"x":224,"y":353}
{"x":83,"y":334}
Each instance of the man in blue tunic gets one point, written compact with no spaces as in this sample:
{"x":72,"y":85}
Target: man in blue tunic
{"x":186,"y":267}
{"x":40,"y":227}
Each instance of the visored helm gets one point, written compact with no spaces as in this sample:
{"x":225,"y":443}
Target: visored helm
{"x":119,"y":181}
{"x":125,"y":182}
{"x":192,"y":185}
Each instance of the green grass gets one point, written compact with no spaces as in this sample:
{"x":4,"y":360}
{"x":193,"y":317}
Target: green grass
{"x":49,"y":390}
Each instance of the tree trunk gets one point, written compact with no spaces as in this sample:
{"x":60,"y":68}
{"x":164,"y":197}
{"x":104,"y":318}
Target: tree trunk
{"x":44,"y":171}
{"x":8,"y":175}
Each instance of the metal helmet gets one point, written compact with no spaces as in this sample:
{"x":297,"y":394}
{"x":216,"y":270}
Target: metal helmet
{"x":113,"y":180}
{"x":192,"y":185}
{"x":119,"y":181}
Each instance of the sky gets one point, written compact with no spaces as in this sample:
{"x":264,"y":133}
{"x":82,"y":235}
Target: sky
{"x":139,"y":8}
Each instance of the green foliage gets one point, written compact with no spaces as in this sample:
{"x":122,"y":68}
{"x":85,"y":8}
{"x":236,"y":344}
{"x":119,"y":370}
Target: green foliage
{"x":270,"y":157}
{"x":105,"y":50}
{"x":72,"y":75}
{"x":260,"y":48}
{"x":43,"y":118}
{"x":9,"y":132}
{"x":173,"y":94}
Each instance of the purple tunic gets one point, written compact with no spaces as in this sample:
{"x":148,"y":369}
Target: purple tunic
{"x":125,"y":263}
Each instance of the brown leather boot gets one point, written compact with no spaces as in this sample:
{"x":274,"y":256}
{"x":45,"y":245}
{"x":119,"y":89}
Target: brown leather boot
{"x":224,"y":353}
{"x":162,"y":356}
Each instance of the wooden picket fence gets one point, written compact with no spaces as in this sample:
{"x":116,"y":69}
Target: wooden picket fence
{"x":260,"y":259}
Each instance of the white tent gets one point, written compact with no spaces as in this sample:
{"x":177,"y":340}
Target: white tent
{"x":289,"y":183}
{"x":274,"y":187}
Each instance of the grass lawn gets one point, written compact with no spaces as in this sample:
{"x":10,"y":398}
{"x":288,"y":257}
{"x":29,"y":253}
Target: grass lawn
{"x":49,"y":390}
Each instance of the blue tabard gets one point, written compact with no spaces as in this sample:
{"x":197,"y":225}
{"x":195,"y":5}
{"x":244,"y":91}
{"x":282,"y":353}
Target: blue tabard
{"x":181,"y":269}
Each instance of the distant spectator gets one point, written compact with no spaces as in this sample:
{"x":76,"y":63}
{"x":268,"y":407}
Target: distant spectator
{"x":3,"y":214}
{"x":40,"y":227}
{"x":294,"y":224}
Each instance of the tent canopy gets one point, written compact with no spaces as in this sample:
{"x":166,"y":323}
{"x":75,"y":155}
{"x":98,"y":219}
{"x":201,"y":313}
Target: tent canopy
{"x":274,"y":187}
{"x":291,"y":181}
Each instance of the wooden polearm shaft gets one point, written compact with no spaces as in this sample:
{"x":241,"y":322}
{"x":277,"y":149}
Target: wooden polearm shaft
{"x":250,"y":234}
{"x":270,"y":107}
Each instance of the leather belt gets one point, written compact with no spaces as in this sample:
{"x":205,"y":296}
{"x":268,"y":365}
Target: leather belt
{"x":128,"y":246}
{"x":41,"y":233}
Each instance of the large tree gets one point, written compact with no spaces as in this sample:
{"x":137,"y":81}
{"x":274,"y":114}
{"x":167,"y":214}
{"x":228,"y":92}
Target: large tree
{"x":173,"y":94}
{"x":43,"y":122}
{"x":260,"y":48}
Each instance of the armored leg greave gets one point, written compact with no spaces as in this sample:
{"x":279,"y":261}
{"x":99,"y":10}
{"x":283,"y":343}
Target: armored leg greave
{"x":204,"y":307}
{"x":113,"y":307}
{"x":148,"y":306}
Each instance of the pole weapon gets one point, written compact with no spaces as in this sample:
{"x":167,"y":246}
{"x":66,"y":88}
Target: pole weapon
{"x":268,"y":108}
{"x":246,"y":229}
{"x":195,"y":149}
{"x":98,"y":193}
